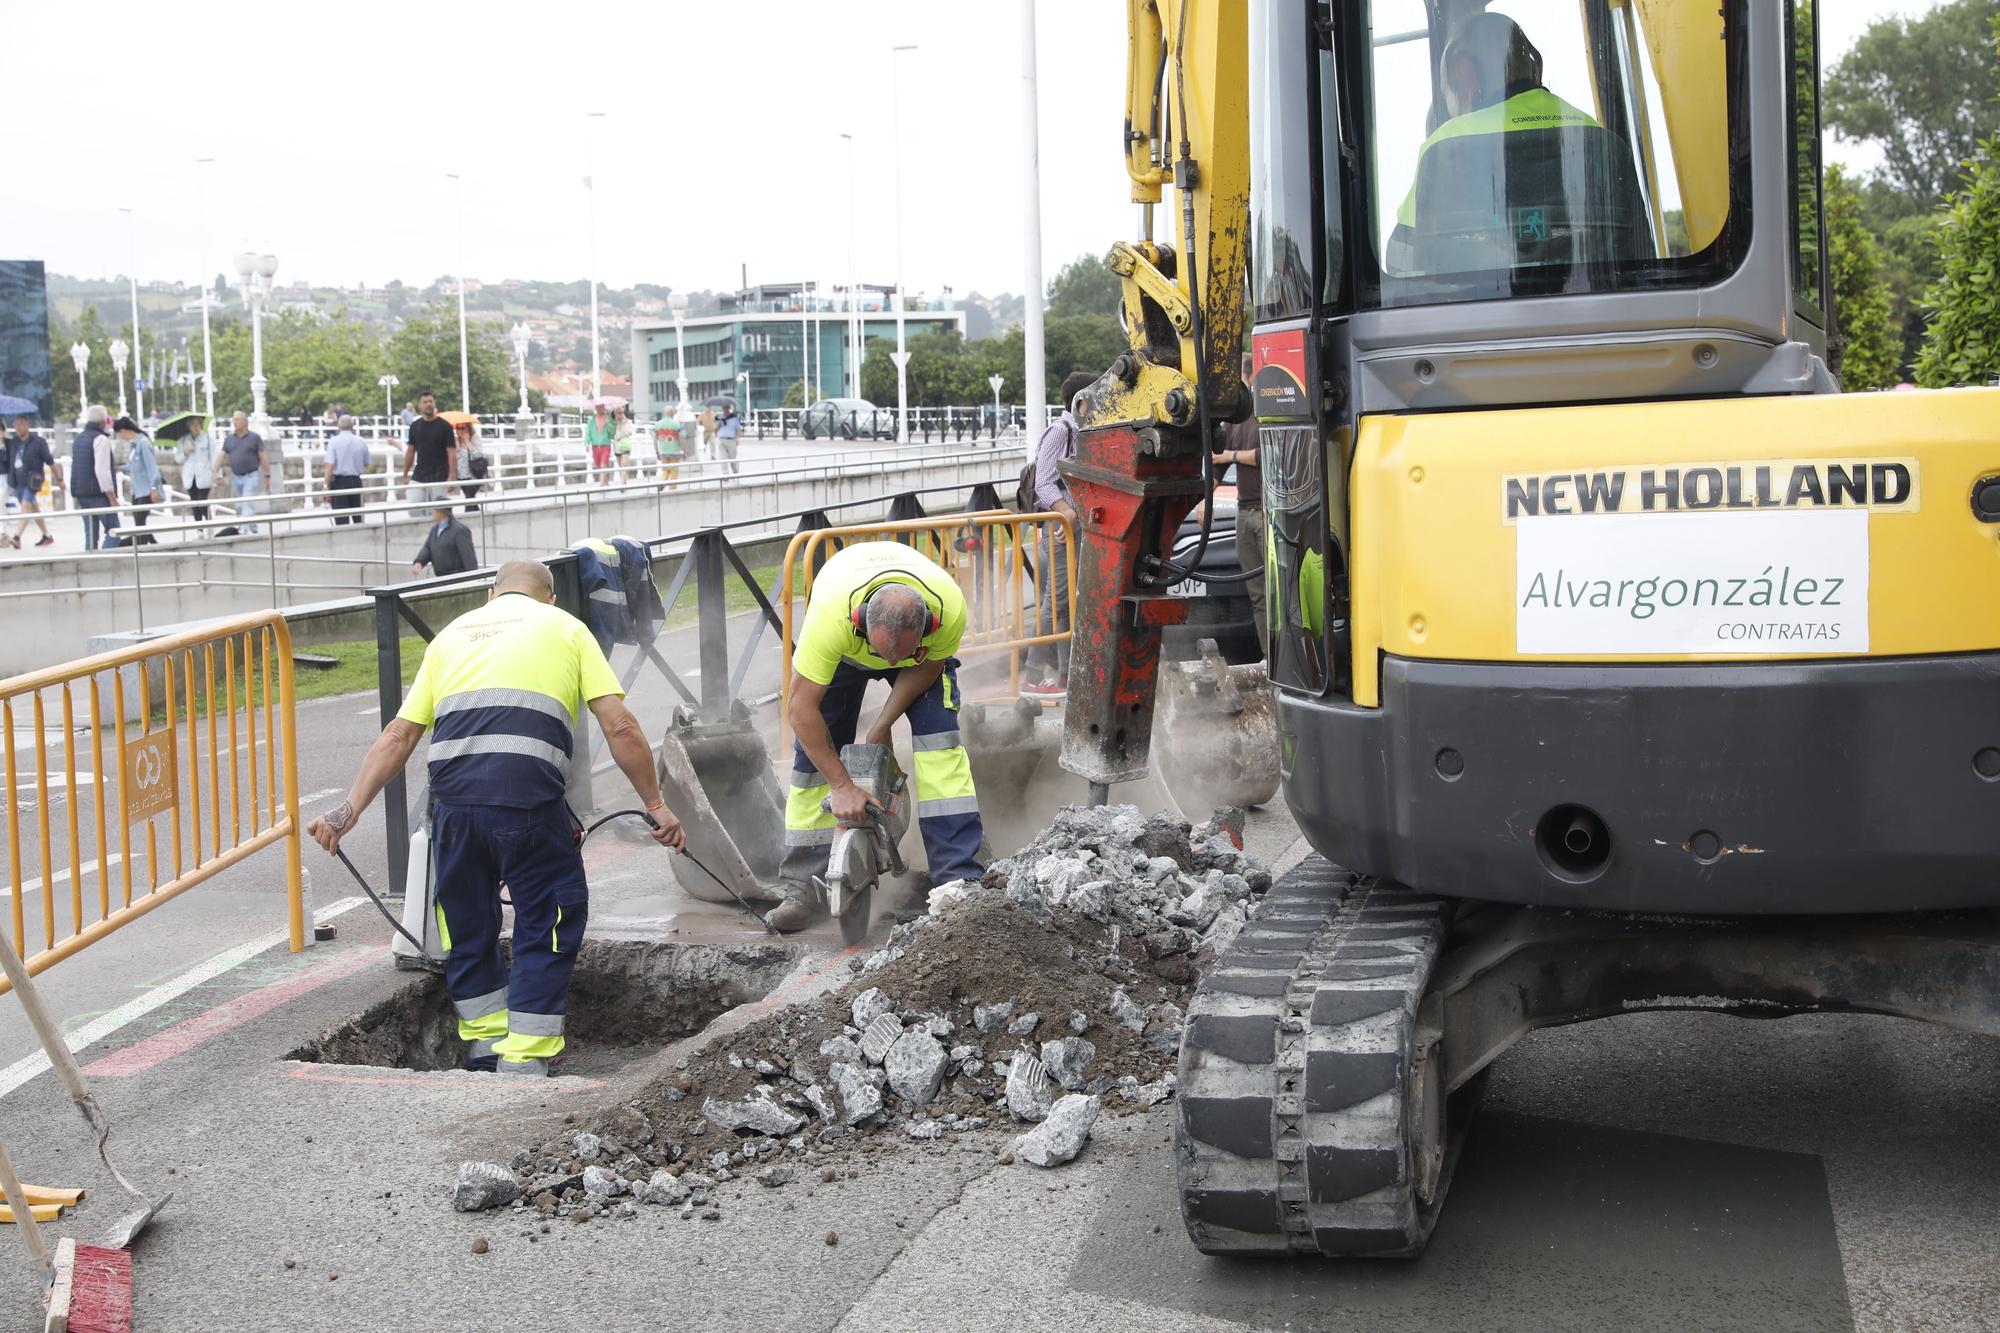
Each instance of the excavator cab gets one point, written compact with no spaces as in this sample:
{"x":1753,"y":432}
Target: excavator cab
{"x":1620,"y":662}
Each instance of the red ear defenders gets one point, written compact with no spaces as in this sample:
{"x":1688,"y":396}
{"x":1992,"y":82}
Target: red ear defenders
{"x":859,"y":612}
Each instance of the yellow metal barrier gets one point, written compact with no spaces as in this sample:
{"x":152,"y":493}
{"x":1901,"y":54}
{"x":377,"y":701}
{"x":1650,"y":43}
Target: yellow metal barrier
{"x":984,"y":554}
{"x":197,"y":710}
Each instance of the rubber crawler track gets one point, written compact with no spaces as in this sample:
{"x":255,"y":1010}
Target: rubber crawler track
{"x":1293,"y":1132}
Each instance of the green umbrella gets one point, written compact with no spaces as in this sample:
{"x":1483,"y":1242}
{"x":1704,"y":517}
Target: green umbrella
{"x":177,"y":427}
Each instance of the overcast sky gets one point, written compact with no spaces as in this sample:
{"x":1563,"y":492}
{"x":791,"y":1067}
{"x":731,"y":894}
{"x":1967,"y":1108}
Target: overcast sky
{"x":333,"y":127}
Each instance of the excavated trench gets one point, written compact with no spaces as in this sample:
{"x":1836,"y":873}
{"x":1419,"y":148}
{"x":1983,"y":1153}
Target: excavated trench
{"x":627,"y":999}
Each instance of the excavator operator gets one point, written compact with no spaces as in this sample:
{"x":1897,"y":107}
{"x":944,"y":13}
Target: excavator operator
{"x":1492,"y":78}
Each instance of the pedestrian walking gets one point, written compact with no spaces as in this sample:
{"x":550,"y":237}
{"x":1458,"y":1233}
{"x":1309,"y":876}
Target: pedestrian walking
{"x":91,"y":481}
{"x":346,"y":464}
{"x":472,"y":463}
{"x":1239,"y":446}
{"x":621,"y":440}
{"x":667,"y":448}
{"x":500,"y":690}
{"x":407,"y":415}
{"x":197,"y":458}
{"x":447,"y":548}
{"x":142,"y":469}
{"x":29,"y":463}
{"x":1052,"y":611}
{"x":600,"y":434}
{"x":249,"y":470}
{"x":727,"y":429}
{"x":431,"y":455}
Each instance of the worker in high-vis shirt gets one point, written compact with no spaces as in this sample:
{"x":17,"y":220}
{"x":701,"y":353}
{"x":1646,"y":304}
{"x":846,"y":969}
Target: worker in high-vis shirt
{"x":878,"y":611}
{"x":1492,"y":80}
{"x":499,"y":690}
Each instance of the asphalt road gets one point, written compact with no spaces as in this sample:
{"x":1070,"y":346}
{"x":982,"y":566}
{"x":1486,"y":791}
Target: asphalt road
{"x":1663,"y":1171}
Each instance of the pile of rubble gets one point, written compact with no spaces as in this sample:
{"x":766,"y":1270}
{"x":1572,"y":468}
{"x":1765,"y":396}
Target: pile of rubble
{"x":1027,"y":1003}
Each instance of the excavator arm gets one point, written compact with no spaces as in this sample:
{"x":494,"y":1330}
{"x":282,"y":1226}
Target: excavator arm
{"x":1148,"y":423}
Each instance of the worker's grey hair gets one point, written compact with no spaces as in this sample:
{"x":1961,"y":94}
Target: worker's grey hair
{"x":345,"y":423}
{"x":95,"y":415}
{"x":238,"y":416}
{"x":895,"y":606}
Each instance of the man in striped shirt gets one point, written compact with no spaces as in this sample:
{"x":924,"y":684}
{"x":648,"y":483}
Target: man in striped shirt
{"x":499,"y":690}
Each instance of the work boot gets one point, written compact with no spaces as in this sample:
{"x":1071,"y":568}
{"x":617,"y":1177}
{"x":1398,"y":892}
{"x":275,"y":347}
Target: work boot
{"x":801,"y":908}
{"x":532,"y":1068}
{"x":481,"y":1064}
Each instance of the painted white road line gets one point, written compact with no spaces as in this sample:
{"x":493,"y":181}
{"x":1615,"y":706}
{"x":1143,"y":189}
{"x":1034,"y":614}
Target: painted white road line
{"x":57,"y":781}
{"x":312,"y":796}
{"x":97,"y":1029}
{"x":35,"y":884}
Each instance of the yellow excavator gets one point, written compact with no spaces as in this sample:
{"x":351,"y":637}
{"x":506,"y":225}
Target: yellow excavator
{"x":1620,"y":662}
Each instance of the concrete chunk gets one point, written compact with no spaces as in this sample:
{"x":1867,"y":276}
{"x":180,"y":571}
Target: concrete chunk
{"x":1065,"y":1059}
{"x":664,"y":1190}
{"x":756,"y":1114}
{"x":870,"y":1004}
{"x":600,"y":1184}
{"x":483,"y":1185}
{"x":990,"y":1018}
{"x":915,"y":1066}
{"x":1061,"y":1136}
{"x":844,"y":1050}
{"x":822,"y":1104}
{"x":1028,"y":1089}
{"x":880,"y":1034}
{"x":860,"y":1089}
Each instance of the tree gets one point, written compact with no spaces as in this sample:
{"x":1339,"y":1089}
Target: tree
{"x":1086,"y":342}
{"x":423,"y":354}
{"x":1962,"y":345}
{"x":1862,"y":344}
{"x":1084,"y":286}
{"x":1924,"y":90}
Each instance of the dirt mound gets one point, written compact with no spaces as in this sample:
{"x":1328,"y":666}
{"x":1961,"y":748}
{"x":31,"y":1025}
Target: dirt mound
{"x":1019,"y":1004}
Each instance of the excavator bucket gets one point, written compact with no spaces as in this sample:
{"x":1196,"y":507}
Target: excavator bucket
{"x":1215,"y":741}
{"x":717,"y":777}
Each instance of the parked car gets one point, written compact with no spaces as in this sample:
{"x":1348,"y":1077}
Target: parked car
{"x":847,"y":419}
{"x":1219,"y":611}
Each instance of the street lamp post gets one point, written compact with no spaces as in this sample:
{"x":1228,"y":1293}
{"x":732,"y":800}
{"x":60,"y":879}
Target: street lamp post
{"x":902,"y":357}
{"x":1035,"y":371}
{"x":207,"y":344}
{"x":996,"y":381}
{"x":79,"y":356}
{"x":519,"y":334}
{"x":257,"y":271}
{"x":464,"y":364}
{"x":388,"y":383}
{"x":854,"y":327}
{"x":119,"y":353}
{"x":743,"y":378}
{"x":590,"y":188}
{"x":678,"y":303}
{"x":138,"y":343}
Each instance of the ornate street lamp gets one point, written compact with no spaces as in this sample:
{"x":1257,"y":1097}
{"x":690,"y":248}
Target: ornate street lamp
{"x":79,"y":356}
{"x":256,"y":271}
{"x":519,"y":336}
{"x":120,"y":354}
{"x":388,"y":383}
{"x":678,"y":303}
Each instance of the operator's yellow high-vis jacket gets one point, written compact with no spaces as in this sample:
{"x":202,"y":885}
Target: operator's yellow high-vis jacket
{"x":500,"y":688}
{"x":833,"y":651}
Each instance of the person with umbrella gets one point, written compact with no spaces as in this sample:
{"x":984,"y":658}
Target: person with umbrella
{"x":29,"y":462}
{"x":472,"y":464}
{"x":196,"y":455}
{"x":142,"y":465}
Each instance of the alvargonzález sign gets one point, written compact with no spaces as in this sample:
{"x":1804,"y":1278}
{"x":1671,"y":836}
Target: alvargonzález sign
{"x":1877,"y":484}
{"x":1783,"y":582}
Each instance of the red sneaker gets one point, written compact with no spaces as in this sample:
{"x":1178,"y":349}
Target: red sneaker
{"x":46,"y":540}
{"x":1056,"y":687}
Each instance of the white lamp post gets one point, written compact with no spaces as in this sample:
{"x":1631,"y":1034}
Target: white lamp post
{"x":388,"y":383}
{"x":902,"y":357}
{"x":590,"y":188}
{"x":79,"y":356}
{"x":257,"y":271}
{"x":996,"y":381}
{"x":1035,"y":373}
{"x":464,"y":364}
{"x":207,"y":344}
{"x":743,"y":378}
{"x":519,"y":334}
{"x":678,"y":303}
{"x":853,"y":287}
{"x":139,"y":370}
{"x":119,"y":353}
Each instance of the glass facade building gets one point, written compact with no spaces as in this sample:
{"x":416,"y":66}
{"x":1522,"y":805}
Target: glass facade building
{"x":767,"y":338}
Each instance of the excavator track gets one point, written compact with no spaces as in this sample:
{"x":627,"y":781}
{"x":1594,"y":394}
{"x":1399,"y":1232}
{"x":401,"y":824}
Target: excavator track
{"x":1311,"y":1116}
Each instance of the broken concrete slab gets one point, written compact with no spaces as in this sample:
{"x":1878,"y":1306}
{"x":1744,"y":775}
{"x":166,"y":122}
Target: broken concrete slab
{"x":756,"y":1114}
{"x":1065,"y":1059}
{"x":1061,"y":1136}
{"x":915,"y":1065}
{"x":483,"y":1185}
{"x":879,"y":1036}
{"x":1028,"y":1088}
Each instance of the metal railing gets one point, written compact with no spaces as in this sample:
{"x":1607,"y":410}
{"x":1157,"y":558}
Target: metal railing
{"x":206,"y":726}
{"x":990,"y":556}
{"x":576,"y":506}
{"x":709,"y":558}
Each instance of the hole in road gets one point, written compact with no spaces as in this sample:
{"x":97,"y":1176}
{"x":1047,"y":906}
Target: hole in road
{"x":627,"y":999}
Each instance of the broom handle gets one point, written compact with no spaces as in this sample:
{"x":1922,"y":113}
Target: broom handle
{"x":45,"y":1028}
{"x":31,"y":1231}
